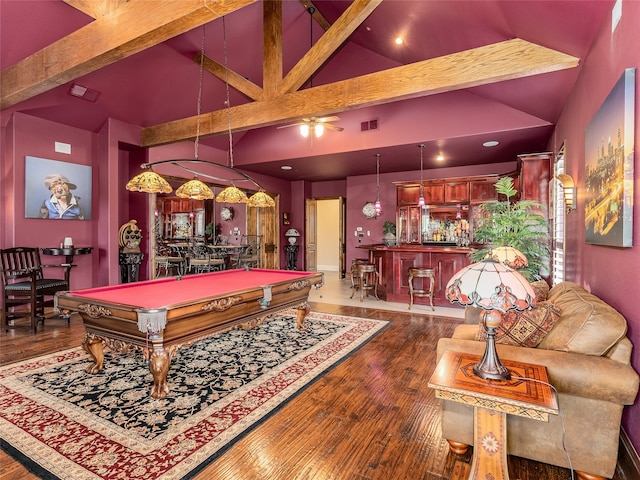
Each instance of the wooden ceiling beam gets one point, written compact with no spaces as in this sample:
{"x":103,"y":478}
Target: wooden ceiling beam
{"x":317,"y":16}
{"x":95,"y":8}
{"x":497,"y":62}
{"x":330,"y":41}
{"x":131,"y":28}
{"x":272,"y":48}
{"x":237,"y":81}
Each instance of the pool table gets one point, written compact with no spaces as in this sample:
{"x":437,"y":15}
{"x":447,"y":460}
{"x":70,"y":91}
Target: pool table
{"x":160,"y":316}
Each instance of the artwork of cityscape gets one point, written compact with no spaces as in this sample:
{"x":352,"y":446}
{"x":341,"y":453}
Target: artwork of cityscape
{"x":609,"y":154}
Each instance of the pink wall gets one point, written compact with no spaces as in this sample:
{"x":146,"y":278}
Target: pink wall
{"x":26,"y":135}
{"x":610,"y":273}
{"x":114,"y":157}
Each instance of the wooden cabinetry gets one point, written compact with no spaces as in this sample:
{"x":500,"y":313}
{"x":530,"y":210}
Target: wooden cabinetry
{"x":433,"y":193}
{"x":180,"y":218}
{"x":409,"y":225}
{"x":456,"y":192}
{"x":482,"y":190}
{"x":393,"y":265}
{"x":446,"y":264}
{"x":407,"y":195}
{"x":533,"y":181}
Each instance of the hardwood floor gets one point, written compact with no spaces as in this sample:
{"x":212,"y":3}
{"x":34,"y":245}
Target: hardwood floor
{"x":370,"y":417}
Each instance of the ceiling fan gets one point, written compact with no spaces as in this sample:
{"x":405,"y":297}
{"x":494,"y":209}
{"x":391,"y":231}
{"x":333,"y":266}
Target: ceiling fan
{"x":315,"y":125}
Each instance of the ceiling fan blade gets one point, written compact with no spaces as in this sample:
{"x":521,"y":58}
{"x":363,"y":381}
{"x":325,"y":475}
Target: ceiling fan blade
{"x":291,"y":125}
{"x":327,"y":119}
{"x":333,"y":127}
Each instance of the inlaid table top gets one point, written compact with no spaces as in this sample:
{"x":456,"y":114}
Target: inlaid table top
{"x":454,"y":380}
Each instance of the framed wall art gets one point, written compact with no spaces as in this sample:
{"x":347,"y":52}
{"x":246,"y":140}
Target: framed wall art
{"x":57,"y":190}
{"x":609,"y":162}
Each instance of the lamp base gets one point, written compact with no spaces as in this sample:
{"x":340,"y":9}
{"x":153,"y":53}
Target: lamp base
{"x":490,"y":366}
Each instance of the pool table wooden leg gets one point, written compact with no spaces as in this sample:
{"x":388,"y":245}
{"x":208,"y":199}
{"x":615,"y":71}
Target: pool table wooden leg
{"x":93,"y":346}
{"x":159,"y":362}
{"x":303,"y":311}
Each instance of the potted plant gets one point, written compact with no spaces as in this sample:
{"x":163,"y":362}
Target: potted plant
{"x":211,"y":230}
{"x":519,"y":225}
{"x":389,"y":233}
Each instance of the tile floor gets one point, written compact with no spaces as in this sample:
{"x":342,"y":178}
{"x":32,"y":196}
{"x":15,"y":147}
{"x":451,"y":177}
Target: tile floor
{"x":337,"y":291}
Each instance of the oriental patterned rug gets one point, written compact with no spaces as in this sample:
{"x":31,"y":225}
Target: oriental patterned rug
{"x":63,"y":423}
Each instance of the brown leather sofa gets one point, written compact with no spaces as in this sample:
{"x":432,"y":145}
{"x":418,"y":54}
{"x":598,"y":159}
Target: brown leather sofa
{"x":587,"y":355}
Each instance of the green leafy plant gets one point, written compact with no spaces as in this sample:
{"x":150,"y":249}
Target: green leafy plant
{"x":211,"y":230}
{"x":389,"y":227}
{"x":519,"y":225}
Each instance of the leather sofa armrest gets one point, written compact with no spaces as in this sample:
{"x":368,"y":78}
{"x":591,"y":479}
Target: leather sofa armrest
{"x":466,"y":332}
{"x":571,"y":373}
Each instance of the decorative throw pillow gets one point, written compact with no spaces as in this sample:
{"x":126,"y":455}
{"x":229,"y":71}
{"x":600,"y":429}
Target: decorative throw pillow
{"x":541,"y":289}
{"x":526,"y":328}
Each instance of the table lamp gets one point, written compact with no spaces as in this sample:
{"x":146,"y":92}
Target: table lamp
{"x":509,"y":256}
{"x":495,"y":288}
{"x":292,"y":235}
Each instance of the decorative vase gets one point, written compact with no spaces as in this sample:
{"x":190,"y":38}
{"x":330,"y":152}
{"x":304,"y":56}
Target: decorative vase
{"x":389,"y":239}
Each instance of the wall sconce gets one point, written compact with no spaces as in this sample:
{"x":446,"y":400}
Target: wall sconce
{"x":569,"y":190}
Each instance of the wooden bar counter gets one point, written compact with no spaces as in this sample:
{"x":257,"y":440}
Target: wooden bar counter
{"x":393,"y":265}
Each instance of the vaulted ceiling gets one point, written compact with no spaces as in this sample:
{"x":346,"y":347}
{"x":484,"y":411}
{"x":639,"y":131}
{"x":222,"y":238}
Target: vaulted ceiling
{"x":467,"y":72}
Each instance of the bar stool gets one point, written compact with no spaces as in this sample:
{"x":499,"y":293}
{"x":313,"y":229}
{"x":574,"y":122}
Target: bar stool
{"x":421,"y":272}
{"x":367,"y":279}
{"x":355,"y":277}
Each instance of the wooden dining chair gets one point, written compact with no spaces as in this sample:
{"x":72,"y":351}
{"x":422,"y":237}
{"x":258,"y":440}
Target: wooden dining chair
{"x":23,"y":284}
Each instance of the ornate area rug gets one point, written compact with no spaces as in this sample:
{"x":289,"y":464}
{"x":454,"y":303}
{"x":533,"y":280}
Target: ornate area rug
{"x":63,"y":423}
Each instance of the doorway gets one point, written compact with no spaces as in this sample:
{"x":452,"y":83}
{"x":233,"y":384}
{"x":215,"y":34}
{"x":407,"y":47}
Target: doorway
{"x":325,"y":242}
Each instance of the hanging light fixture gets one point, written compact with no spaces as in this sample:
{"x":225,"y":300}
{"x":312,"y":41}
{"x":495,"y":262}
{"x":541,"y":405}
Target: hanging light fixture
{"x":378,"y":205}
{"x":151,"y":182}
{"x":307,"y":127}
{"x":261,"y":199}
{"x":230,"y":194}
{"x":421,"y":198}
{"x":148,"y":182}
{"x":195,"y":189}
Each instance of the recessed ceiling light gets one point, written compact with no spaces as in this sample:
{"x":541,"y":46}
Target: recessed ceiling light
{"x":491,"y":143}
{"x":399,"y":41}
{"x":440,"y":158}
{"x":286,"y":167}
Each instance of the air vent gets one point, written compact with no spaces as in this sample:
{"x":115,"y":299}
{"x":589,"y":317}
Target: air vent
{"x":370,"y":125}
{"x":83,"y":92}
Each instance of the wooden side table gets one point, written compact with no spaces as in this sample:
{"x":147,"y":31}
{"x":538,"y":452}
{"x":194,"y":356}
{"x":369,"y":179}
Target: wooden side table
{"x":68,"y":253}
{"x":492,"y":400}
